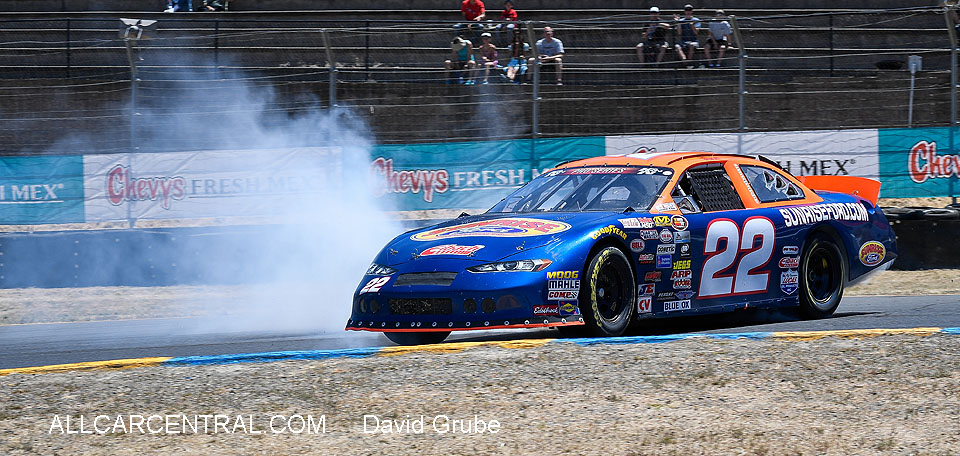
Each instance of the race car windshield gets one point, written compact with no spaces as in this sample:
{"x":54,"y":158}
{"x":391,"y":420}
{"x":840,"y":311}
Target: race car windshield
{"x":588,"y":189}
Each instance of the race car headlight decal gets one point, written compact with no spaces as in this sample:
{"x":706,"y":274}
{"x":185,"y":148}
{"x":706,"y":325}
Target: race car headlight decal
{"x":510,"y":266}
{"x":379,"y":269}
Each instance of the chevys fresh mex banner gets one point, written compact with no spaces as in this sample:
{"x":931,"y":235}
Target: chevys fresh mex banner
{"x":40,"y":190}
{"x":468,"y":175}
{"x":201,"y":184}
{"x":919,"y":162}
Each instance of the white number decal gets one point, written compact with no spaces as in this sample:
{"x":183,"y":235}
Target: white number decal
{"x":746,"y":279}
{"x":373,"y":286}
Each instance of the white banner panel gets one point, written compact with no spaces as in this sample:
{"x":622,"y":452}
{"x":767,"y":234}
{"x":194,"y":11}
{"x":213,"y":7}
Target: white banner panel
{"x":203,"y":184}
{"x":803,"y":153}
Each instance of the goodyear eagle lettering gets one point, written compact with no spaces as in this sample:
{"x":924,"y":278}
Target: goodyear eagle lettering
{"x":610,"y":229}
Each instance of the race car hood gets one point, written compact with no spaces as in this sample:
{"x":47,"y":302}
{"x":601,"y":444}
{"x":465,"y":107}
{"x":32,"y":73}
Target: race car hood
{"x":489,"y":237}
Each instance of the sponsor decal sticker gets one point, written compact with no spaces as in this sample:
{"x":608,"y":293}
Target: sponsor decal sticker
{"x":568,"y":308}
{"x":664,"y":261}
{"x":681,"y":264}
{"x":643,"y":304}
{"x":681,"y":237}
{"x":546,"y":309}
{"x":679,"y":222}
{"x":563,"y":285}
{"x":663,"y":295}
{"x":638,"y":222}
{"x":791,"y":250}
{"x":646,"y":289}
{"x":562,"y":295}
{"x":685,"y":294}
{"x":503,"y":227}
{"x":649,"y":235}
{"x":789,"y":281}
{"x":637,"y":245}
{"x":666,"y":236}
{"x":563,"y":274}
{"x":652,"y":276}
{"x":645,"y":258}
{"x":789,"y":262}
{"x":803,"y":215}
{"x":451,"y":249}
{"x":681,"y":284}
{"x":662,"y":220}
{"x":872,"y":253}
{"x":374,"y":285}
{"x":610,"y":229}
{"x":667,"y":207}
{"x":666,"y":249}
{"x":681,"y":274}
{"x":685,"y":250}
{"x":671,"y":306}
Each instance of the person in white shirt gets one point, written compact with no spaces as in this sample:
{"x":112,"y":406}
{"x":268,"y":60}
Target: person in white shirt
{"x":719,"y":38}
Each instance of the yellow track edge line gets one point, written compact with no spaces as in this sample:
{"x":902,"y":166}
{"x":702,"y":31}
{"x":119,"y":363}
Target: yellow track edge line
{"x":91,"y":365}
{"x":854,"y":333}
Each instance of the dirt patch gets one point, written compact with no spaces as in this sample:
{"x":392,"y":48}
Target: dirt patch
{"x":886,"y":395}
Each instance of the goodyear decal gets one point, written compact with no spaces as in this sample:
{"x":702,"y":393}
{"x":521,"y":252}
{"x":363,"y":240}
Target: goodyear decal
{"x":610,"y":229}
{"x":872,"y":253}
{"x":804,"y":215}
{"x":504,"y":227}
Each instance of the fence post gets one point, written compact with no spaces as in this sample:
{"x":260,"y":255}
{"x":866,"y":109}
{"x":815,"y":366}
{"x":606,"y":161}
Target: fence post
{"x":216,"y":46}
{"x":68,"y":48}
{"x":333,"y":68}
{"x":952,"y":33}
{"x":742,"y":76}
{"x":535,"y":114}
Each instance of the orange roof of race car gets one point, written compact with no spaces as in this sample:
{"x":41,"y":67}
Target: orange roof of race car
{"x":664,"y":159}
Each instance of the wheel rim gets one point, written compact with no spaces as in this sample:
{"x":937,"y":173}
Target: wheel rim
{"x":822,"y":275}
{"x":610,"y":296}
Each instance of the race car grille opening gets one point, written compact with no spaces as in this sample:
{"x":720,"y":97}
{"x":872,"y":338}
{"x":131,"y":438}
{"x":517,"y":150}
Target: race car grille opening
{"x":442,"y":279}
{"x":421,"y":306}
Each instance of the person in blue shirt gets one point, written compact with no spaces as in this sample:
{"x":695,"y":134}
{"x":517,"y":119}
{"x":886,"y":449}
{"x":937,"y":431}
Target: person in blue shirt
{"x":688,"y":29}
{"x":550,"y":50}
{"x":461,"y":58}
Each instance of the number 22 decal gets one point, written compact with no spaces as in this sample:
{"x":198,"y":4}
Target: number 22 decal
{"x":373,"y":286}
{"x":746,"y":279}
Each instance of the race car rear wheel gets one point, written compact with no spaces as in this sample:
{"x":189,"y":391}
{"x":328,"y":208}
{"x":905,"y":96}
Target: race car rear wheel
{"x":822,"y":274}
{"x":607,"y":295}
{"x":417,"y":338}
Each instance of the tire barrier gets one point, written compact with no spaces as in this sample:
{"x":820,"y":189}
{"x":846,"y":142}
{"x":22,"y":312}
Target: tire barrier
{"x":928,"y":243}
{"x":951,"y":212}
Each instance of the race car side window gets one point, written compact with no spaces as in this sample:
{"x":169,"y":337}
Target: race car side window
{"x":709,"y":187}
{"x":769,"y":185}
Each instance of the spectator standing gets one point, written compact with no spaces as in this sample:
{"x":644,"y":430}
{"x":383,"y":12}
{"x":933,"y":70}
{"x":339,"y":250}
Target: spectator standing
{"x":488,"y":55}
{"x":654,"y":38}
{"x":550,"y":50}
{"x":473,"y":10}
{"x":687,"y":29}
{"x":461,"y":59}
{"x":508,"y":13}
{"x":719,"y":38}
{"x":517,"y":68}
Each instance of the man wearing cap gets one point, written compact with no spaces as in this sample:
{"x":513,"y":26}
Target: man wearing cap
{"x":461,"y":58}
{"x":473,"y":10}
{"x":551,"y":52}
{"x":488,"y":55}
{"x":687,"y":30}
{"x":719,"y":34}
{"x":654,"y":38}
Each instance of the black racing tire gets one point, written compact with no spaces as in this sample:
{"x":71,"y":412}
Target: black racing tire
{"x":608,"y":293}
{"x":417,"y":338}
{"x":823,"y":271}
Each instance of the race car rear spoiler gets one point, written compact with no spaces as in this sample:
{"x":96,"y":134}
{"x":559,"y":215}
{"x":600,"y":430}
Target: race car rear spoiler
{"x":867,"y":189}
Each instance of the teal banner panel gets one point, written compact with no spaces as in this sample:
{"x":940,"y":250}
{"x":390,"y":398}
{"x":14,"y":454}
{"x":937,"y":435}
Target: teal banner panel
{"x":41,"y":190}
{"x":919,"y":162}
{"x":468,"y":175}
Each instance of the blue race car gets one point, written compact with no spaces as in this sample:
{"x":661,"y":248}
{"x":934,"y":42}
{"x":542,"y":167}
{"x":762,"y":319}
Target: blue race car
{"x":600,"y":244}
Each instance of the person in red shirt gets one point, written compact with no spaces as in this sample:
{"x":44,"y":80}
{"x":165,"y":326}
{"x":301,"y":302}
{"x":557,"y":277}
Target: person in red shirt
{"x":508,"y":13}
{"x":473,"y":10}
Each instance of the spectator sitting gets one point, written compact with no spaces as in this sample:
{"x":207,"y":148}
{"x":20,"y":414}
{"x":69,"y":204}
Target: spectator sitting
{"x":215,"y":5}
{"x":508,"y":13}
{"x":687,"y":30}
{"x":488,"y":55}
{"x":461,"y":58}
{"x":174,"y":6}
{"x":551,"y":52}
{"x":517,"y":68}
{"x":655,"y":38}
{"x":718,"y":40}
{"x":473,"y":10}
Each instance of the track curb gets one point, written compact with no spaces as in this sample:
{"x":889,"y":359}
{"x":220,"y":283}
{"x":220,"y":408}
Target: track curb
{"x":455,"y":347}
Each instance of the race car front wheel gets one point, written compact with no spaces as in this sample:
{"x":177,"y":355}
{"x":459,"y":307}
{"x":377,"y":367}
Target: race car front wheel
{"x":607,"y":295}
{"x":417,"y":338}
{"x":822,"y":273}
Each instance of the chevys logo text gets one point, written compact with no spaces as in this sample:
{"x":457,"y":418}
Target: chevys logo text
{"x":411,"y":181}
{"x":926,"y":164}
{"x":504,"y":227}
{"x":122,"y":186}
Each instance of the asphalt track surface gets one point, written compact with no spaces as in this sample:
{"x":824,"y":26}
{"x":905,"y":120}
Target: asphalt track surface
{"x":61,"y":343}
